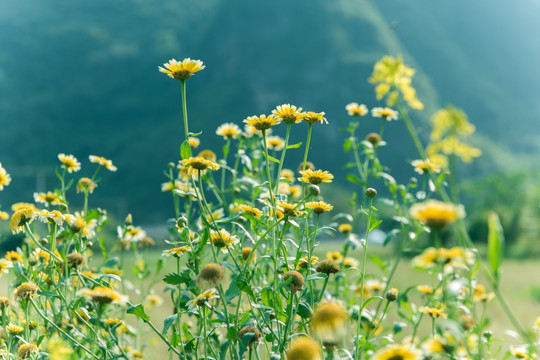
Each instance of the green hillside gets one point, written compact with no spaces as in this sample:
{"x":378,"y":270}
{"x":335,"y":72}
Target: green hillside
{"x":82,"y":78}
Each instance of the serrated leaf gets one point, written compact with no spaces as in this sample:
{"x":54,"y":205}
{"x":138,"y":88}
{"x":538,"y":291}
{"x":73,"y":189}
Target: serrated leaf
{"x":138,"y":310}
{"x":175,"y":279}
{"x":495,"y":244}
{"x":185,"y":150}
{"x":294,"y":146}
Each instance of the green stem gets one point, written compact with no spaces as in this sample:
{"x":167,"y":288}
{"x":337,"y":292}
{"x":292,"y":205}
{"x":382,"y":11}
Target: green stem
{"x":283,"y":155}
{"x":184,"y":109}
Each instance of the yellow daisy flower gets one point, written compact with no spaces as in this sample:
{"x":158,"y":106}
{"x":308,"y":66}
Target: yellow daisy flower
{"x":14,"y":256}
{"x":385,"y":113}
{"x":433,"y":312}
{"x":103,"y":295}
{"x":436,"y":214}
{"x":20,"y":218}
{"x":315,"y":177}
{"x":5,"y":265}
{"x":177,"y":251}
{"x":5,"y":178}
{"x":4,"y":215}
{"x":396,"y":352}
{"x":345,"y":228}
{"x":25,"y":291}
{"x":304,"y":348}
{"x":181,"y":70}
{"x":194,"y":142}
{"x":275,"y":143}
{"x":328,"y":322}
{"x":334,"y":255}
{"x":313,"y":118}
{"x":223,"y":239}
{"x":425,"y":289}
{"x":425,"y":166}
{"x":26,"y":350}
{"x":202,"y":298}
{"x":108,"y":164}
{"x":262,"y":122}
{"x":353,"y":109}
{"x":208,"y":155}
{"x":319,"y":207}
{"x":288,"y":113}
{"x":22,"y":205}
{"x":303,"y":262}
{"x":69,"y":162}
{"x":199,"y":164}
{"x":228,"y":131}
{"x":48,"y":198}
{"x":251,"y":210}
{"x":350,"y":262}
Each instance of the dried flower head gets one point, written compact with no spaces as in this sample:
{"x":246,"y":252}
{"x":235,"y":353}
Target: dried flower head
{"x":328,"y":267}
{"x":25,"y":291}
{"x":26,"y":350}
{"x":374,"y":139}
{"x":296,"y":280}
{"x":250,"y":331}
{"x":212,"y":273}
{"x":75,"y":259}
{"x":86,"y":185}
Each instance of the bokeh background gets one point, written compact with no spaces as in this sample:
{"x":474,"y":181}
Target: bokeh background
{"x":81,"y":78}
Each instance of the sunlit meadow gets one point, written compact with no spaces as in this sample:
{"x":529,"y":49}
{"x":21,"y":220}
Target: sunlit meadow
{"x":243,"y":275}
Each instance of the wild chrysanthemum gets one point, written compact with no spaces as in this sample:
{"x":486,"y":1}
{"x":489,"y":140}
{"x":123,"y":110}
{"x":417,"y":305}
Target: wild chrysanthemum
{"x":319,"y":207}
{"x":25,"y":291}
{"x":181,"y":70}
{"x":480,"y":294}
{"x":4,"y":302}
{"x":14,"y":256}
{"x":199,"y":164}
{"x":288,"y":209}
{"x":353,"y":109}
{"x":345,"y":228}
{"x":5,"y":265}
{"x":425,"y":166}
{"x":313,"y":118}
{"x":315,"y":176}
{"x":103,"y":295}
{"x":153,"y":300}
{"x":48,"y":198}
{"x":433,"y":312}
{"x":20,"y":218}
{"x":521,"y":352}
{"x":396,"y":352}
{"x":5,"y":179}
{"x":14,"y":329}
{"x":208,"y":155}
{"x":86,"y":185}
{"x":452,"y":259}
{"x":228,"y":131}
{"x":177,"y":251}
{"x":304,"y":348}
{"x":425,"y":289}
{"x":251,"y":210}
{"x":247,"y":252}
{"x":223,"y":239}
{"x":385,"y":113}
{"x":436,"y":214}
{"x":350,"y":262}
{"x":106,"y":163}
{"x":262,"y":122}
{"x":303,"y":262}
{"x":328,"y":322}
{"x":22,"y":205}
{"x":53,"y":216}
{"x":374,"y":285}
{"x":202,"y":299}
{"x":194,"y":142}
{"x":288,"y":113}
{"x":134,"y":234}
{"x":275,"y":143}
{"x":334,"y":255}
{"x":69,"y":162}
{"x":287,"y":174}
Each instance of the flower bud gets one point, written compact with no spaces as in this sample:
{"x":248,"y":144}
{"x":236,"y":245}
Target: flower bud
{"x":392,"y":295}
{"x":371,"y":193}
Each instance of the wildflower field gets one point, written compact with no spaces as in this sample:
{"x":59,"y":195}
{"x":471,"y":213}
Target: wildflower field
{"x":246,"y":273}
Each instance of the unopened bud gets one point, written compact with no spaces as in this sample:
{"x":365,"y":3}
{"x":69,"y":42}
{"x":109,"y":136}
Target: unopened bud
{"x":392,"y":295}
{"x":371,"y":193}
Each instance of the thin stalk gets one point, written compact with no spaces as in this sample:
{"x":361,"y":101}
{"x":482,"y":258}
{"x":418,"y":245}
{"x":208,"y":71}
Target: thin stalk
{"x":184,"y":109}
{"x":283,"y":155}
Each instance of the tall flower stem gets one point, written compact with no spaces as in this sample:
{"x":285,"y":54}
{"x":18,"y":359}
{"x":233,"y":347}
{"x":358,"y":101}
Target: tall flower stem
{"x":308,"y":141}
{"x":283,"y":155}
{"x":184,"y":109}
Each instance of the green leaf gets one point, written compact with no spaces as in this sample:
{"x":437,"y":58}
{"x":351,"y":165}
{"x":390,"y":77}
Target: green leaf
{"x":375,"y":225}
{"x":223,"y":349}
{"x":317,"y":276}
{"x":138,"y":310}
{"x":233,"y":291}
{"x":355,"y":180}
{"x":244,"y":286}
{"x":304,"y":310}
{"x":103,"y":247}
{"x":185,"y":150}
{"x":176,"y":279}
{"x":294,"y":146}
{"x":271,"y":158}
{"x":168,"y":322}
{"x":232,"y":333}
{"x":495,"y":244}
{"x":390,"y":236}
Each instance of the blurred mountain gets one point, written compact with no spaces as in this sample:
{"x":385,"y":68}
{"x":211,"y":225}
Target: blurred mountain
{"x":81,"y":78}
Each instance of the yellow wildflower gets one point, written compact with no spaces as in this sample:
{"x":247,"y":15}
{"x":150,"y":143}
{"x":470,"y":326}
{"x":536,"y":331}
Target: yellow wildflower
{"x":181,"y":70}
{"x":313,"y":118}
{"x":385,"y":113}
{"x":177,"y":251}
{"x":334,"y":255}
{"x":103,"y":295}
{"x":194,"y":142}
{"x":303,"y":262}
{"x":14,"y":329}
{"x":304,"y":348}
{"x":397,"y":352}
{"x":425,"y":289}
{"x":433,"y":312}
{"x":202,"y":298}
{"x":350,"y":262}
{"x":25,"y":291}
{"x":20,"y":218}
{"x":69,"y":162}
{"x":315,"y":177}
{"x":251,"y":210}
{"x":108,"y":164}
{"x":14,"y":256}
{"x":353,"y":109}
{"x":86,"y":185}
{"x":345,"y":228}
{"x":4,"y":215}
{"x":436,"y":214}
{"x":223,"y":239}
{"x":5,"y":265}
{"x":328,"y":322}
{"x":319,"y":207}
{"x":199,"y":164}
{"x":262,"y":122}
{"x":22,"y":205}
{"x":275,"y":143}
{"x":228,"y":131}
{"x":425,"y":166}
{"x":5,"y":178}
{"x":288,"y":113}
{"x":26,"y":350}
